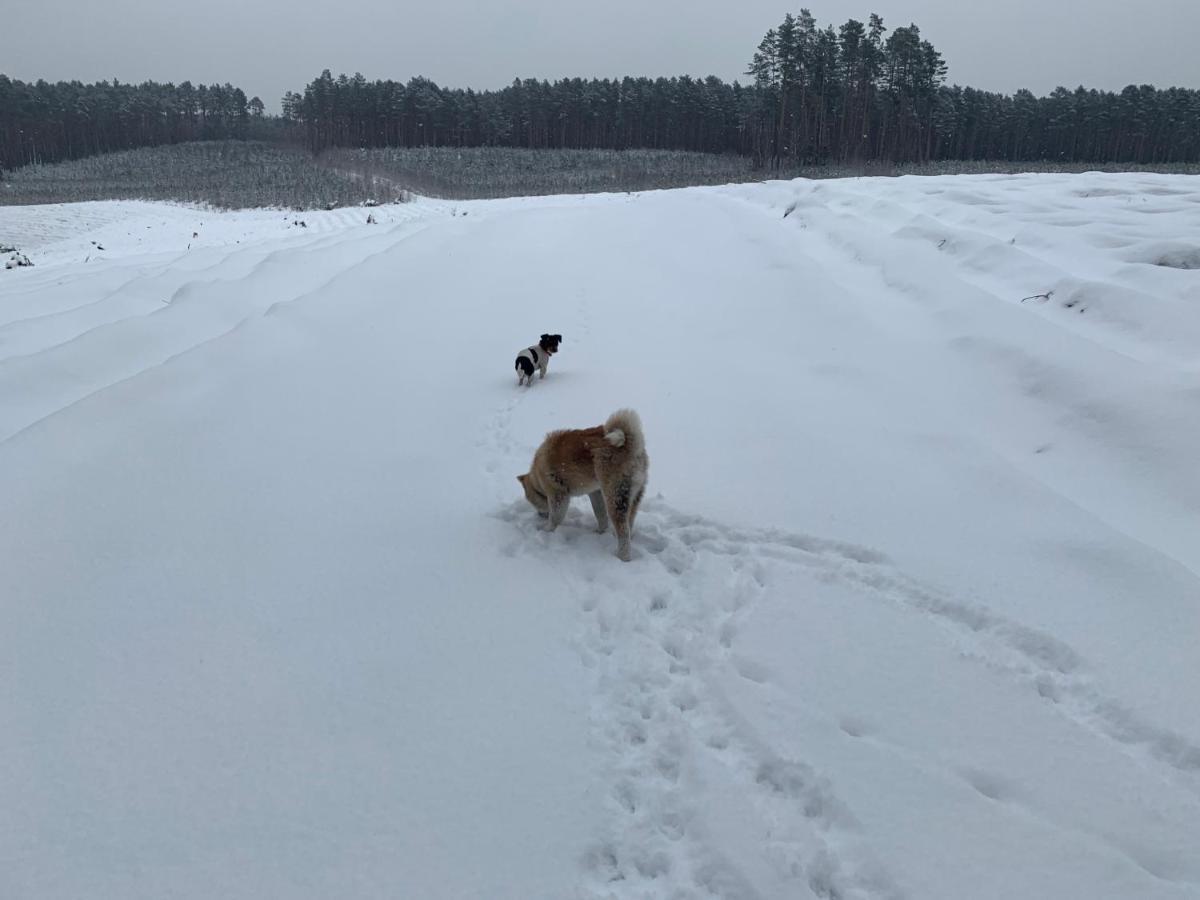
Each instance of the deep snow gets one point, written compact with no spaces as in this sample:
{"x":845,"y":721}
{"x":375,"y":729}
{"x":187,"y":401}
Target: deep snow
{"x":914,"y":604}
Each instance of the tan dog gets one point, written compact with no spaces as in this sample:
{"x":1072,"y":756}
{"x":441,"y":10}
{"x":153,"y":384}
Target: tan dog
{"x":608,"y":463}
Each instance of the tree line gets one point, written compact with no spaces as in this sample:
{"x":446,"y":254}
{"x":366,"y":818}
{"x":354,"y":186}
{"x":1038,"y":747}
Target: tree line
{"x":42,"y":122}
{"x":814,"y":95}
{"x":854,"y":93}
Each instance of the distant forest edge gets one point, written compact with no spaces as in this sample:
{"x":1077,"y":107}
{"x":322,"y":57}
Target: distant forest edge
{"x":47,"y":123}
{"x":815,"y":96}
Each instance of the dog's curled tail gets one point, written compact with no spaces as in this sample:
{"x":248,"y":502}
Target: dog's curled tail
{"x":624,"y":429}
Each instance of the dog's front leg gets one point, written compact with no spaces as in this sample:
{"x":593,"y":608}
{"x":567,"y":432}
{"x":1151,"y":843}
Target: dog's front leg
{"x":597,"y":498}
{"x":558,"y":504}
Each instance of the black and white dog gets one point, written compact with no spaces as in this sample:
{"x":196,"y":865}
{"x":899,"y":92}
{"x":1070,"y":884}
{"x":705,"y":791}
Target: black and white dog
{"x":537,"y":357}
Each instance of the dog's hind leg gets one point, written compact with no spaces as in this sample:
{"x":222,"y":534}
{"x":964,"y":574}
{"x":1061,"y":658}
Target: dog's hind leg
{"x":618,"y":512}
{"x":633,"y":509}
{"x":597,"y":498}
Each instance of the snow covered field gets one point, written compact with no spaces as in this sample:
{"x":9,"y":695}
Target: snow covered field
{"x":914,"y":609}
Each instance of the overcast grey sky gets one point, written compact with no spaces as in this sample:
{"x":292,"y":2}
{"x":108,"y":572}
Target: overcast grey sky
{"x":269,"y":46}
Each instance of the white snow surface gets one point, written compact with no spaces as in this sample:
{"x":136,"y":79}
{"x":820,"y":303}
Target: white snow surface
{"x":914,"y":609}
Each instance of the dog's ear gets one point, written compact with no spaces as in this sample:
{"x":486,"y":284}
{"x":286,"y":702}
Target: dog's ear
{"x":545,"y":337}
{"x":521,"y":478}
{"x":557,"y":337}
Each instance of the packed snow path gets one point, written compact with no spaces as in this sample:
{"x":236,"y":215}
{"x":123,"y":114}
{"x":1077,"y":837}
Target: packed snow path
{"x":915,"y":596}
